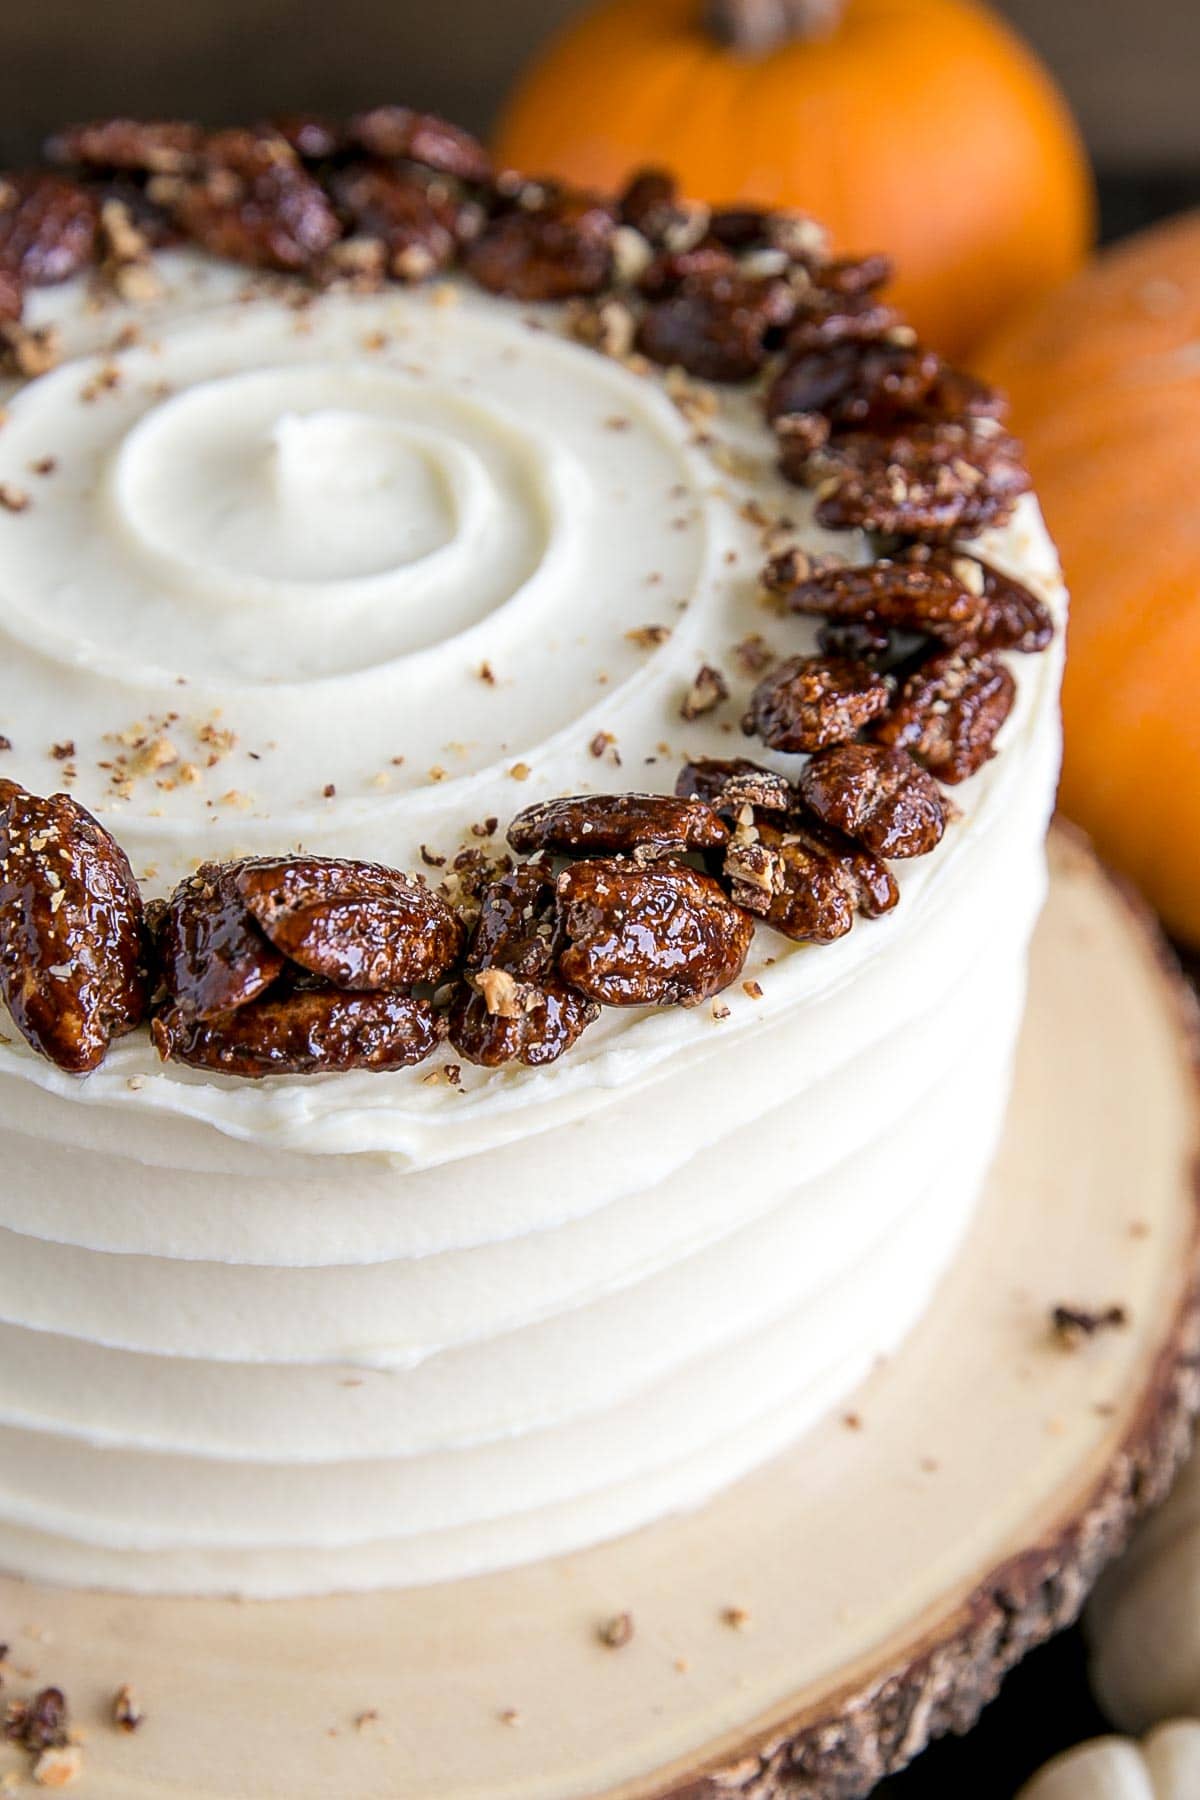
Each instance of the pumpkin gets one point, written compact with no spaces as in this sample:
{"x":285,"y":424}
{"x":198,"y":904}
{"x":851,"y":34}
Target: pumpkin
{"x":1143,"y":1622}
{"x":923,"y":128}
{"x":1104,"y":378}
{"x":1165,"y":1767}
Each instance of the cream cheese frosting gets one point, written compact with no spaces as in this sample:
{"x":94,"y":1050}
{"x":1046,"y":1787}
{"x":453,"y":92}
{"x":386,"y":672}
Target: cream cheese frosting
{"x":360,"y":573}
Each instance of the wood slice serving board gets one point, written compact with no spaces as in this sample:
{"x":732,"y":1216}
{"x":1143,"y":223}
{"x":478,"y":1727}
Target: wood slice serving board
{"x":809,"y":1631}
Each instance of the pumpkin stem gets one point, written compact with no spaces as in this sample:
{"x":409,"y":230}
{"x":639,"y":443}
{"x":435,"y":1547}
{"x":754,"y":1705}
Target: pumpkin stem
{"x":755,"y":27}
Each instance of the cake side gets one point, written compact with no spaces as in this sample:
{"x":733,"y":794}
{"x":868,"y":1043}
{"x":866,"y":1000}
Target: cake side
{"x":363,"y":574}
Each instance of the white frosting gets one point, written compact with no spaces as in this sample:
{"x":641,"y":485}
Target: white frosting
{"x":507,"y":1320}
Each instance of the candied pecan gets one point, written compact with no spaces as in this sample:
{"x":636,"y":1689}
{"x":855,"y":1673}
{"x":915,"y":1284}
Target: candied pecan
{"x":649,"y":202}
{"x":303,"y":1031}
{"x":559,"y":250}
{"x":399,"y":132}
{"x":495,"y":1019}
{"x":813,"y":701}
{"x":651,"y":205}
{"x":850,"y":277}
{"x":922,"y":596}
{"x":877,"y":795}
{"x":730,"y":785}
{"x":823,"y":319}
{"x":314,"y":138}
{"x":1010,"y":616}
{"x":948,"y":713}
{"x":853,"y":384}
{"x":72,"y":938}
{"x":357,"y":924}
{"x":255,"y":203}
{"x":716,"y":326}
{"x":863,"y":640}
{"x":212,"y":955}
{"x":958,"y":395}
{"x":747,"y":229}
{"x":921,"y":480}
{"x":12,"y":300}
{"x":39,"y":1724}
{"x":47,"y":228}
{"x":609,"y":824}
{"x":741,"y":227}
{"x":513,"y":1005}
{"x":805,"y":879}
{"x":666,"y":272}
{"x":138,"y":146}
{"x":416,"y":219}
{"x":659,"y":936}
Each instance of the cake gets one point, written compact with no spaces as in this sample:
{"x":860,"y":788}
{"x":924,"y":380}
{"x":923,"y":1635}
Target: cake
{"x":358,"y":502}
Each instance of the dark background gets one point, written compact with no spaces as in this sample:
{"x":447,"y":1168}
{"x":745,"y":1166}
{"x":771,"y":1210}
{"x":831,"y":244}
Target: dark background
{"x":1131,"y":71}
{"x":1130,"y":67}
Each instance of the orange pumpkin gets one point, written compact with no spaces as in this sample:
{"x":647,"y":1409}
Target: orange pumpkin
{"x":924,"y":128}
{"x":1105,"y":382}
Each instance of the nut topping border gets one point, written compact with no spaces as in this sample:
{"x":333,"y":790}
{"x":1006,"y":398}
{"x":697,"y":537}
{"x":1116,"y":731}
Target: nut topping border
{"x":296,"y":965}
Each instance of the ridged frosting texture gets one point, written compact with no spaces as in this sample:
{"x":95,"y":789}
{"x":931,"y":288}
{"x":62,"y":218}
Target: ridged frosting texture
{"x":302,"y":1334}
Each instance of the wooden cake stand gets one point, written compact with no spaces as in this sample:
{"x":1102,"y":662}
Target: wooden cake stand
{"x":808,"y":1632}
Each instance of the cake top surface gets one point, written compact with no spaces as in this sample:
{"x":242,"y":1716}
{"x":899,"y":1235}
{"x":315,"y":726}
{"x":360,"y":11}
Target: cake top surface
{"x":361,"y":570}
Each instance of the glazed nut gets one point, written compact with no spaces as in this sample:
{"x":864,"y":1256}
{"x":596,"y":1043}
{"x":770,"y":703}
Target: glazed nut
{"x":814,"y":701}
{"x":880,"y":797}
{"x":72,"y":930}
{"x":614,"y":824}
{"x":359,"y":925}
{"x":305,"y":1031}
{"x":948,"y":712}
{"x":666,"y":935}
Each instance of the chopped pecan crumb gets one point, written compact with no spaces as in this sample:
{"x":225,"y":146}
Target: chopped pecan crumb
{"x":58,"y":1767}
{"x":659,"y":936}
{"x":753,"y":656}
{"x":879,"y":796}
{"x":616,"y":1632}
{"x":126,"y":1711}
{"x":40,"y":1723}
{"x":1073,"y":1325}
{"x":709,"y":688}
{"x":813,"y":701}
{"x":648,"y":637}
{"x":13,"y":499}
